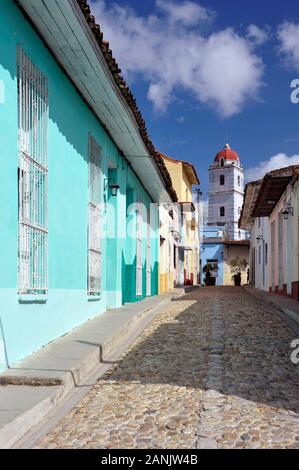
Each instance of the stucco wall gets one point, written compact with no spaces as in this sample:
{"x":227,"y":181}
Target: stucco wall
{"x":167,"y":271}
{"x":260,"y":250}
{"x":175,"y":170}
{"x":28,"y":324}
{"x":190,"y":238}
{"x":230,"y":196}
{"x":283,"y":270}
{"x":231,"y":253}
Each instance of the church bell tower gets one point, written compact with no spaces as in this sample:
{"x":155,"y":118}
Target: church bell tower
{"x":226,"y":193}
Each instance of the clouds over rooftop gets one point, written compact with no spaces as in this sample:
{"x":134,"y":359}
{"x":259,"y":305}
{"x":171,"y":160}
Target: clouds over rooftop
{"x":172,"y":52}
{"x":281,"y":160}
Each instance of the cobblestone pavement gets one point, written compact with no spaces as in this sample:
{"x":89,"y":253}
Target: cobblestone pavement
{"x":213,"y":371}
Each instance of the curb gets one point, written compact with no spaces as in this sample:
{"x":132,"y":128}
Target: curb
{"x":16,"y":429}
{"x":289,"y":316}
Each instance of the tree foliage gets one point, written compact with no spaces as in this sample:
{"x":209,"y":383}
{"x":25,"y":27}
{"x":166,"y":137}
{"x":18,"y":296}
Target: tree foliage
{"x":238,"y":265}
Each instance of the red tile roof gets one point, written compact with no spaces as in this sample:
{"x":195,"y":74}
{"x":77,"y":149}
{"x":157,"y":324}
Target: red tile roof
{"x":128,"y":95}
{"x":228,"y":154}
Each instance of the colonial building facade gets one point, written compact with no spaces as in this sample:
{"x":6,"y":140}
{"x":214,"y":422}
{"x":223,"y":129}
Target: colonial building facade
{"x":182,"y":242}
{"x":270,"y":212}
{"x":79,"y":206}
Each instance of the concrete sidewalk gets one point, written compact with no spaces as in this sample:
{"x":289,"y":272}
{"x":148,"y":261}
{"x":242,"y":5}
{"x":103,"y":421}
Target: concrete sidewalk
{"x":30,"y":390}
{"x":286,"y":305}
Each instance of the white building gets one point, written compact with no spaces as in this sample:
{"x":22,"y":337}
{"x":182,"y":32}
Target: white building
{"x":259,"y":229}
{"x":226,"y":193}
{"x":259,"y":253}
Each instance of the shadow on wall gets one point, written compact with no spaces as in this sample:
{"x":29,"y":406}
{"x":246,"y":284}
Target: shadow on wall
{"x":176,"y":352}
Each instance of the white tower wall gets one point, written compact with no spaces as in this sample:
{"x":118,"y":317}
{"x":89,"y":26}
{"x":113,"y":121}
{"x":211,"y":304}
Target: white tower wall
{"x":226,"y":194}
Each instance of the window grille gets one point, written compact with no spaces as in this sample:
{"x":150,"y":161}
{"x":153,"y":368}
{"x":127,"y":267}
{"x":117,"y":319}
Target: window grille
{"x":139,"y":251}
{"x":32,"y":177}
{"x":94,"y":222}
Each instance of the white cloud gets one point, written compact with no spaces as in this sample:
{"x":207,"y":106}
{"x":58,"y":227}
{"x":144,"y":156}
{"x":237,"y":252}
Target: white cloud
{"x":288,"y":35}
{"x":171,"y":53}
{"x":181,"y":119}
{"x":257,"y":35}
{"x":281,"y":160}
{"x":187,"y":13}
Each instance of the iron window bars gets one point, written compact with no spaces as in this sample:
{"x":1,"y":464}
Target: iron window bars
{"x":32,"y":177}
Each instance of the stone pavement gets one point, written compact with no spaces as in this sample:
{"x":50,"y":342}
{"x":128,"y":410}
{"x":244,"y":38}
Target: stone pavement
{"x":212,"y":371}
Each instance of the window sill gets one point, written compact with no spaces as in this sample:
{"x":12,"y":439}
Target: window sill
{"x":33,"y":299}
{"x":94,"y":298}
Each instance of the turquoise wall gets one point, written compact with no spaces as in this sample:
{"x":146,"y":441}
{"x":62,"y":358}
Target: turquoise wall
{"x":29,"y":323}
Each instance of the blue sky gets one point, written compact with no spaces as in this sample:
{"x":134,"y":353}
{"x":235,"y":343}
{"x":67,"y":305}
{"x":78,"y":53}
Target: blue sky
{"x":211,"y":71}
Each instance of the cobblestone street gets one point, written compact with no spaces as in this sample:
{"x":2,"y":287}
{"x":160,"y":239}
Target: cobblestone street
{"x":213,"y":371}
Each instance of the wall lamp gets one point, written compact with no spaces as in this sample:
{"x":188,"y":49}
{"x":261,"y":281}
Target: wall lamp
{"x":260,"y":239}
{"x":114,"y":189}
{"x":288,"y":211}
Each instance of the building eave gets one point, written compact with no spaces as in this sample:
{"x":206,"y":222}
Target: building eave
{"x":70,"y":32}
{"x":272,"y":188}
{"x":236,"y":243}
{"x":251,"y":192}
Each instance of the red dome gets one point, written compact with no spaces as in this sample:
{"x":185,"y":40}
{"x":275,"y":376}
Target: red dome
{"x":228,"y":154}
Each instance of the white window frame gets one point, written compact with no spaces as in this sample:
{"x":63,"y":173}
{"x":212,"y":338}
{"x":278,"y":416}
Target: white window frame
{"x":94,"y":281}
{"x":148,"y":256}
{"x":32,"y":177}
{"x":139,"y":248}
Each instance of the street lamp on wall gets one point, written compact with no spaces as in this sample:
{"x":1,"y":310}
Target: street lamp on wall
{"x":114,"y":189}
{"x":110,"y":184}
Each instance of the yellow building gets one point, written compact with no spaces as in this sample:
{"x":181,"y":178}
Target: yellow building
{"x":179,"y":246}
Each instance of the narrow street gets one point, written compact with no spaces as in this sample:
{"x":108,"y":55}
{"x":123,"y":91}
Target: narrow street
{"x":213,"y":371}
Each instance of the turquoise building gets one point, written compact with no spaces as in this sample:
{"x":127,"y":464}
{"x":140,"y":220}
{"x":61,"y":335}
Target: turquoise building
{"x":80,"y":180}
